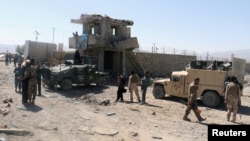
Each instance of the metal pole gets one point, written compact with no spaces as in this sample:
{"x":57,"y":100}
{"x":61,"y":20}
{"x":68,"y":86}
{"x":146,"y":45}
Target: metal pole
{"x":53,"y":34}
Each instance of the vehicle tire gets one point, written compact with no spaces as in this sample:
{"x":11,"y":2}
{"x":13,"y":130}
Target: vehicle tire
{"x":158,"y":91}
{"x":211,"y":99}
{"x":101,"y":81}
{"x":66,"y":84}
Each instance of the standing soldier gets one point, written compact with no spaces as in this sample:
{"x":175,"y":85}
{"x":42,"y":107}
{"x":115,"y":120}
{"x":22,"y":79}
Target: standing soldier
{"x":10,"y":57}
{"x":121,"y":87}
{"x":25,"y":79}
{"x":39,"y":79}
{"x":232,"y":98}
{"x":6,"y":59}
{"x":133,"y":82}
{"x":30,"y":73}
{"x":18,"y":74}
{"x":192,"y":101}
{"x":145,"y":82}
{"x":15,"y":59}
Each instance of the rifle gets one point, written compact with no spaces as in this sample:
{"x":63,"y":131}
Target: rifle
{"x":239,"y":107}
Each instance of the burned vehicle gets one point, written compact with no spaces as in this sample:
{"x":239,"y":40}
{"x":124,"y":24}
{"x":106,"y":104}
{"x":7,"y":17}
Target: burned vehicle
{"x":73,"y":72}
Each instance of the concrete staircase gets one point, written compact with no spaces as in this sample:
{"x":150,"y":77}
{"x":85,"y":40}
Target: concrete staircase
{"x":135,"y":63}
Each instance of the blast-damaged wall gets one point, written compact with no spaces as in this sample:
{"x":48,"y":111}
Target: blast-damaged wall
{"x":159,"y":65}
{"x":248,"y":68}
{"x":39,"y":50}
{"x":239,"y":68}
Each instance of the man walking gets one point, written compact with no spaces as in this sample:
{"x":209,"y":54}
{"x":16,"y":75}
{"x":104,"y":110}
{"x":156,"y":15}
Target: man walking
{"x":133,"y":82}
{"x":192,"y":101}
{"x":232,"y":98}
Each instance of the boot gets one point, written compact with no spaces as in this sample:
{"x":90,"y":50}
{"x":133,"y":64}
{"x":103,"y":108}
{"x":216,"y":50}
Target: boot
{"x":234,"y":119}
{"x":33,"y":102}
{"x":139,"y":100}
{"x":197,"y":114}
{"x":185,"y":117}
{"x":228,"y":117}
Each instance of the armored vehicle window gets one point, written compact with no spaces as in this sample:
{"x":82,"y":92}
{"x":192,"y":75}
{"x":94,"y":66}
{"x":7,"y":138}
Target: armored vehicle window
{"x":175,"y":78}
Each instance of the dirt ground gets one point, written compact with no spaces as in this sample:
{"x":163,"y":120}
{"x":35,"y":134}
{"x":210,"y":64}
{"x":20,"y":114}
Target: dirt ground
{"x":80,"y":115}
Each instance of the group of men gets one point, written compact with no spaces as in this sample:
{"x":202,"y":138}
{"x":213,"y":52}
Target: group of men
{"x":28,"y":80}
{"x":232,"y":99}
{"x":133,"y":82}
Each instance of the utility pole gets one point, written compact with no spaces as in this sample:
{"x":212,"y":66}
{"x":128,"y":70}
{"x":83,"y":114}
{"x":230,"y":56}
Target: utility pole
{"x":153,"y":48}
{"x":37,"y":33}
{"x":184,"y":52}
{"x":53,"y":34}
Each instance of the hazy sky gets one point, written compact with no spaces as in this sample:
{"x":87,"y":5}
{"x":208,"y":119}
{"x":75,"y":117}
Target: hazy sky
{"x":191,"y":25}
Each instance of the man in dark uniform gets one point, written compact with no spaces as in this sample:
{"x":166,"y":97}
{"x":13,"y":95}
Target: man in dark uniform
{"x":39,"y":79}
{"x":25,"y":79}
{"x":121,"y":87}
{"x":145,"y":82}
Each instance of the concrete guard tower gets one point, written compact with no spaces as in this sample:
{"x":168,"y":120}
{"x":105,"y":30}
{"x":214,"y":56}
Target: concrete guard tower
{"x":108,"y":41}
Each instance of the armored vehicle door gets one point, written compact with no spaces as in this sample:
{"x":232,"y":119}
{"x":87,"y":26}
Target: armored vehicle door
{"x":79,"y":75}
{"x":178,"y":85}
{"x":238,"y":68}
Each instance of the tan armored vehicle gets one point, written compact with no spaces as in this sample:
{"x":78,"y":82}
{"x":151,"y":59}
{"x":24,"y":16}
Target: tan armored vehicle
{"x":212,"y":82}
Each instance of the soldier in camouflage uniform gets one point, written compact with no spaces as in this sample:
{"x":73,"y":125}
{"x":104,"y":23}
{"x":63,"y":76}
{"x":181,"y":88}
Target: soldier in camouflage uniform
{"x":232,"y":98}
{"x":30,"y":73}
{"x":192,"y":101}
{"x":18,"y":74}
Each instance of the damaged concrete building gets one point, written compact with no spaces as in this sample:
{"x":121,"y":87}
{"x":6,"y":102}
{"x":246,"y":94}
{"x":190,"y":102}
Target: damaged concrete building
{"x":108,"y":41}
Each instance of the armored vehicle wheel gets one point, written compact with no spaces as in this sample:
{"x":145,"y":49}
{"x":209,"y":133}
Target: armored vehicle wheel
{"x":66,"y":84}
{"x":158,"y":91}
{"x":101,"y":81}
{"x":211,"y":99}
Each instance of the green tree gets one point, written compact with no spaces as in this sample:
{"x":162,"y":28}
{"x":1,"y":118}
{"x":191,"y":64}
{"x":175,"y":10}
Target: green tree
{"x":20,"y":49}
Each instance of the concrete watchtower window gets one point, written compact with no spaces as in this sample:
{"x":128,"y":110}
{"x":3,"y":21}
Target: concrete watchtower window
{"x":113,"y":30}
{"x":91,"y":29}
